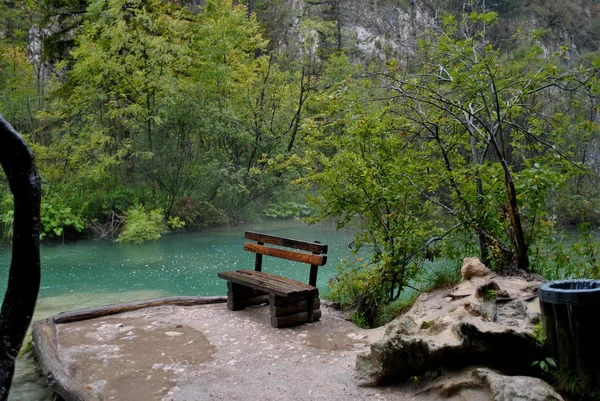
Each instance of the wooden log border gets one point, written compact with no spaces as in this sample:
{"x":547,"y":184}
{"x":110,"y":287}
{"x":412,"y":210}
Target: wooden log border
{"x":92,"y":313}
{"x":45,"y":341}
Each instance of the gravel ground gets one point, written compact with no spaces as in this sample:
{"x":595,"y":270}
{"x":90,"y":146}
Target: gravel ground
{"x":210,"y":353}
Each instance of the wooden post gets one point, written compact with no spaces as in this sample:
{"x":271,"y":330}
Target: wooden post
{"x":314,"y":269}
{"x":258,"y":261}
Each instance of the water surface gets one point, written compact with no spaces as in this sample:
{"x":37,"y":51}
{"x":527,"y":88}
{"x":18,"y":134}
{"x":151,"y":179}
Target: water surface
{"x":95,"y":272}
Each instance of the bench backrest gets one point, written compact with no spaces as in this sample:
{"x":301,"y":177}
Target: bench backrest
{"x":315,"y":258}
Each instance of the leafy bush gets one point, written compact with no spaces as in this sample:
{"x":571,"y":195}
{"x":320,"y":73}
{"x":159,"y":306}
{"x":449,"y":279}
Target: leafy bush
{"x":363,"y":287}
{"x":141,"y":225}
{"x":355,"y":284}
{"x":56,"y":217}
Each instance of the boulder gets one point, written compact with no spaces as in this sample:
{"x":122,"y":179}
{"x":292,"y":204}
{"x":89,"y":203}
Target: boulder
{"x":480,"y":383}
{"x":468,"y":325}
{"x":473,"y":267}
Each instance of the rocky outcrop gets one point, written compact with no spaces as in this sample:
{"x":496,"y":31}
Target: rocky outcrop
{"x":473,"y":267}
{"x":486,"y":384}
{"x":481,"y":321}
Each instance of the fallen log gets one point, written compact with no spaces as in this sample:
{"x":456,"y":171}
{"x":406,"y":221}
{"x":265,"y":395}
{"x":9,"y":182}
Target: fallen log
{"x":92,"y":313}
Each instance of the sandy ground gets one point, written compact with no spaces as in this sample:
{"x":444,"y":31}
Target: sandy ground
{"x":210,"y":353}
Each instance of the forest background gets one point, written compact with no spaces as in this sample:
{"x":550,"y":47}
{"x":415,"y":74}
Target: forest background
{"x":440,"y":129}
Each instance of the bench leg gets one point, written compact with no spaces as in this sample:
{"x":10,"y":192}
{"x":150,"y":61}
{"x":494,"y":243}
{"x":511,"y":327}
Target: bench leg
{"x":285,"y":312}
{"x":310,"y":308}
{"x":239,"y":296}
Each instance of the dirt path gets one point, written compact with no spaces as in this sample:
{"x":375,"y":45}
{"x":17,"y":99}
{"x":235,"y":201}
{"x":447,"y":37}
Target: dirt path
{"x":210,"y":353}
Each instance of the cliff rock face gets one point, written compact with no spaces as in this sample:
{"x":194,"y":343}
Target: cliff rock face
{"x":380,"y":29}
{"x":376,"y":30}
{"x":367,"y":30}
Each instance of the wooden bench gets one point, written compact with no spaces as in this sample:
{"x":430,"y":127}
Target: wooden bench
{"x":291,"y":302}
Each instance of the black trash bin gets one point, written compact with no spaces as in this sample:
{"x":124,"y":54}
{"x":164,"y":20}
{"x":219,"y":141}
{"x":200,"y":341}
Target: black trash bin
{"x":571,"y":319}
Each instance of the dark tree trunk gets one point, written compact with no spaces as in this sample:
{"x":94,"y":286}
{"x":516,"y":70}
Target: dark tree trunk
{"x":24,"y":276}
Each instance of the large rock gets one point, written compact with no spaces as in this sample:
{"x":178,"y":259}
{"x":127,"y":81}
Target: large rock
{"x":473,"y":267}
{"x":485,"y":384}
{"x":483,"y":321}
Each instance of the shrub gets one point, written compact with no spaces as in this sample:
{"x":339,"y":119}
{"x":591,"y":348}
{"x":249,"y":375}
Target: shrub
{"x":57,"y":217}
{"x":142,"y":226}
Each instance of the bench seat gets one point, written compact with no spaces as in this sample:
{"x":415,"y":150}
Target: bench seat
{"x":291,"y":302}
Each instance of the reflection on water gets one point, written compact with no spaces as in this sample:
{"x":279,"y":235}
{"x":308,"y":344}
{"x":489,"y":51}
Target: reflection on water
{"x":93,"y":272}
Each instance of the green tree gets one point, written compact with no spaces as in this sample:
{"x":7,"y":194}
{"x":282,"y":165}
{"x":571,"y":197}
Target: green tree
{"x":361,"y":165}
{"x":21,"y":80}
{"x":497,"y":139}
{"x":475,"y":140}
{"x":170,"y":109}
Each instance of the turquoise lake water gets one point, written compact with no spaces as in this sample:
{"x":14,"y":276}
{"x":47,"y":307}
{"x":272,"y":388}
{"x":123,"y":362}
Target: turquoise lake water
{"x":95,"y":272}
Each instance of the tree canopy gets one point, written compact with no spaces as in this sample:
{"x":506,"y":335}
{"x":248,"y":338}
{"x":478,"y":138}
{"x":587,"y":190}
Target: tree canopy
{"x":150,"y":115}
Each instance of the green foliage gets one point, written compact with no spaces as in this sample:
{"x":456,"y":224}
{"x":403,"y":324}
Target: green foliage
{"x":574,"y":383}
{"x":426,"y":325}
{"x":156,"y":105}
{"x":389,"y":312}
{"x":56,"y":217}
{"x":562,"y":256}
{"x":142,"y":225}
{"x":145,"y":102}
{"x":348,"y":285}
{"x":539,"y":335}
{"x":7,"y":220}
{"x":288,"y":209}
{"x":489,"y":295}
{"x":362,"y":287}
{"x":6,"y":216}
{"x":20,"y":84}
{"x":546,"y":364}
{"x":199,"y":214}
{"x":27,"y":346}
{"x":441,"y":277}
{"x":359,"y":319}
{"x":356,"y":164}
{"x":359,"y":286}
{"x":467,"y":145}
{"x":175,"y":223}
